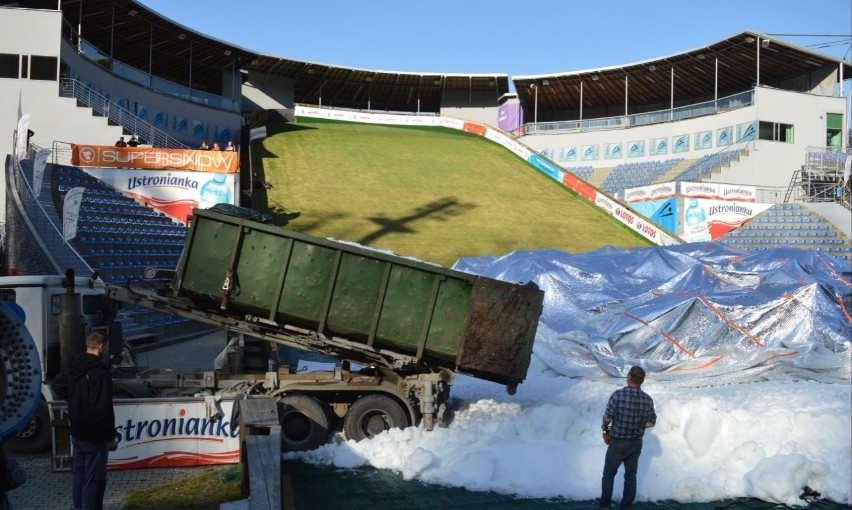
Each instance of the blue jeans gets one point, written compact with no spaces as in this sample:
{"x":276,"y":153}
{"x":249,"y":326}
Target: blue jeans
{"x":626,"y":451}
{"x":88,"y":469}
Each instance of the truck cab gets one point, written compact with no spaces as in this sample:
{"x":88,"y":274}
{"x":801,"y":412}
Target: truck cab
{"x":40,"y":297}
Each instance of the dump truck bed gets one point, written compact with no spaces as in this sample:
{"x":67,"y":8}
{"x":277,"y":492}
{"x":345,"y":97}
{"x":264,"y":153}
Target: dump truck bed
{"x":369,"y":301}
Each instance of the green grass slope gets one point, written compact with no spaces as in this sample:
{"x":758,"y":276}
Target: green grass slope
{"x":431,"y":193}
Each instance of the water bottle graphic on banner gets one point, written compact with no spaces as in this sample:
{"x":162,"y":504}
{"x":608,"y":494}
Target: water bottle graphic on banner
{"x":696,"y":229}
{"x":215,"y":191}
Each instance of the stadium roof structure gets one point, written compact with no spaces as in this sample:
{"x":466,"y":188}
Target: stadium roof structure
{"x":716,"y":70}
{"x":146,"y":40}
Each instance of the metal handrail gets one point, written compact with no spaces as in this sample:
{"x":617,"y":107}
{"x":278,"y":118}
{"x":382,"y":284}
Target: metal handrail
{"x":117,"y":114}
{"x":60,"y":253}
{"x":716,"y":106}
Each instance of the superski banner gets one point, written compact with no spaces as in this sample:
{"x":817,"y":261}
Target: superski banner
{"x":174,"y":193}
{"x":71,"y":211}
{"x":151,"y":158}
{"x":166,"y":433}
{"x":39,"y":162}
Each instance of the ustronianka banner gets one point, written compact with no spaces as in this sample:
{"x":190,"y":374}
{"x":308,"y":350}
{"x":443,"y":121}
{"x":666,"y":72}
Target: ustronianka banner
{"x":153,"y":433}
{"x":174,"y":193}
{"x":151,"y":158}
{"x":734,"y":192}
{"x":707,"y":219}
{"x":71,"y":211}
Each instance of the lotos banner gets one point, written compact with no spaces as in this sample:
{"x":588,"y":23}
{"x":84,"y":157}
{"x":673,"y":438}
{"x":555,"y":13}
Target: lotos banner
{"x":150,"y":158}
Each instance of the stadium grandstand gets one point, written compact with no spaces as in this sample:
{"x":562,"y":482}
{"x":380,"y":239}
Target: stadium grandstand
{"x":743,"y":141}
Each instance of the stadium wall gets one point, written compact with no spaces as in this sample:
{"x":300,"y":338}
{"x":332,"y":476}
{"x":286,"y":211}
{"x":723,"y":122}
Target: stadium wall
{"x":770,"y":163}
{"x":475,"y":106}
{"x":267,"y":92}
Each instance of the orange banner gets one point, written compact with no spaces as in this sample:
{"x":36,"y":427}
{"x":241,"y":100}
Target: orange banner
{"x":150,"y":158}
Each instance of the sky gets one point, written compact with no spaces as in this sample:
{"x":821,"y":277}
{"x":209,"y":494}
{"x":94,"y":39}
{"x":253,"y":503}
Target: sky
{"x":500,"y":37}
{"x":768,"y":425}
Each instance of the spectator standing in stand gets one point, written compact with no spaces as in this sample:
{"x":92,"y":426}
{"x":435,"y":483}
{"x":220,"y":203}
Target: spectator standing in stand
{"x":133,"y":142}
{"x":121,"y":142}
{"x":230,"y":147}
{"x":216,"y":147}
{"x":204,"y":146}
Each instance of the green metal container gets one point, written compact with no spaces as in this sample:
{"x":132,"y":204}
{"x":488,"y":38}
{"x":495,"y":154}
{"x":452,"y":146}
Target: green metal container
{"x":374,"y":300}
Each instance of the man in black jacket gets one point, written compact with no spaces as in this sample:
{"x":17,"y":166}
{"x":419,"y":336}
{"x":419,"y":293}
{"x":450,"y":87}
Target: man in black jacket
{"x":86,"y":385}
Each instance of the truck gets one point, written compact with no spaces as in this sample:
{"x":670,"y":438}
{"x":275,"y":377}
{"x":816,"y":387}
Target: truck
{"x":399,"y":329}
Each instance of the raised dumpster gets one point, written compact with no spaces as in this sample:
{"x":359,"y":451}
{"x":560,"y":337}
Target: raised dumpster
{"x":370,"y":301}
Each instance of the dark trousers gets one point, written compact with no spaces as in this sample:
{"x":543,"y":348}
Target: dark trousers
{"x":620,"y":451}
{"x":88,"y":469}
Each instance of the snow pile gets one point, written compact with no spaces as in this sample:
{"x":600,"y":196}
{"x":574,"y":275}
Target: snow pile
{"x":761,"y":408}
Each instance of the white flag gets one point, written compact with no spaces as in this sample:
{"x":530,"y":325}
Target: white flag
{"x":847,"y":169}
{"x":71,"y":211}
{"x":21,"y":138}
{"x":39,"y":162}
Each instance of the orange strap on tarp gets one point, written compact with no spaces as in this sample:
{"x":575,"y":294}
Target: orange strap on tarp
{"x":151,"y":158}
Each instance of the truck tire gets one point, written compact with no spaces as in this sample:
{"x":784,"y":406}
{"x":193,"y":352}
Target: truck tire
{"x":304,"y":423}
{"x":371,"y":415}
{"x":35,"y":436}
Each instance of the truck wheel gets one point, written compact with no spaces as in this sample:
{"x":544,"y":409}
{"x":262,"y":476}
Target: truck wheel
{"x":371,"y":415}
{"x":304,"y":423}
{"x":35,"y":437}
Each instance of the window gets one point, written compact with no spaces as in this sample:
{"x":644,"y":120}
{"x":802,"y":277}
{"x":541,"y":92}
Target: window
{"x":9,"y":65}
{"x":775,"y":131}
{"x":834,"y":130}
{"x":43,"y":68}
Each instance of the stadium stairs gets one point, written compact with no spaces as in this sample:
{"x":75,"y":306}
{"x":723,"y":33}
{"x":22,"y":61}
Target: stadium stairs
{"x":119,"y":237}
{"x":792,"y":226}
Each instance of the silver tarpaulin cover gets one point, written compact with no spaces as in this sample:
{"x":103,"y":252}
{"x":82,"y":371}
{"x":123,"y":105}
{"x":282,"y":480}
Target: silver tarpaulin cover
{"x":698,"y":313}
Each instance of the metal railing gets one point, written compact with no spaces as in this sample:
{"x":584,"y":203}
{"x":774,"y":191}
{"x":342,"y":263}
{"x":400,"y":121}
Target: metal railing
{"x":117,"y":114}
{"x":40,"y":214}
{"x":724,"y":104}
{"x":145,"y":79}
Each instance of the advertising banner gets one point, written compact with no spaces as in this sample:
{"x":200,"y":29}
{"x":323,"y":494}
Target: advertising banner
{"x":738,"y":192}
{"x":552,"y":171}
{"x":707,"y":219}
{"x":150,"y":158}
{"x":21,"y":136}
{"x":257,"y":133}
{"x":175,"y":194}
{"x":650,"y":192}
{"x":157,"y":433}
{"x":39,"y":162}
{"x":580,"y":186}
{"x":699,"y":189}
{"x":661,"y":212}
{"x":71,"y":212}
{"x":509,"y":116}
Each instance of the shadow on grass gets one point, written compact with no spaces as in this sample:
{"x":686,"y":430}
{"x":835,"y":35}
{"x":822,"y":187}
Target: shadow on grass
{"x":441,"y":210}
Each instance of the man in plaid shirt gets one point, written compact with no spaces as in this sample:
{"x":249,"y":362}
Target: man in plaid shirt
{"x":628,"y":413}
